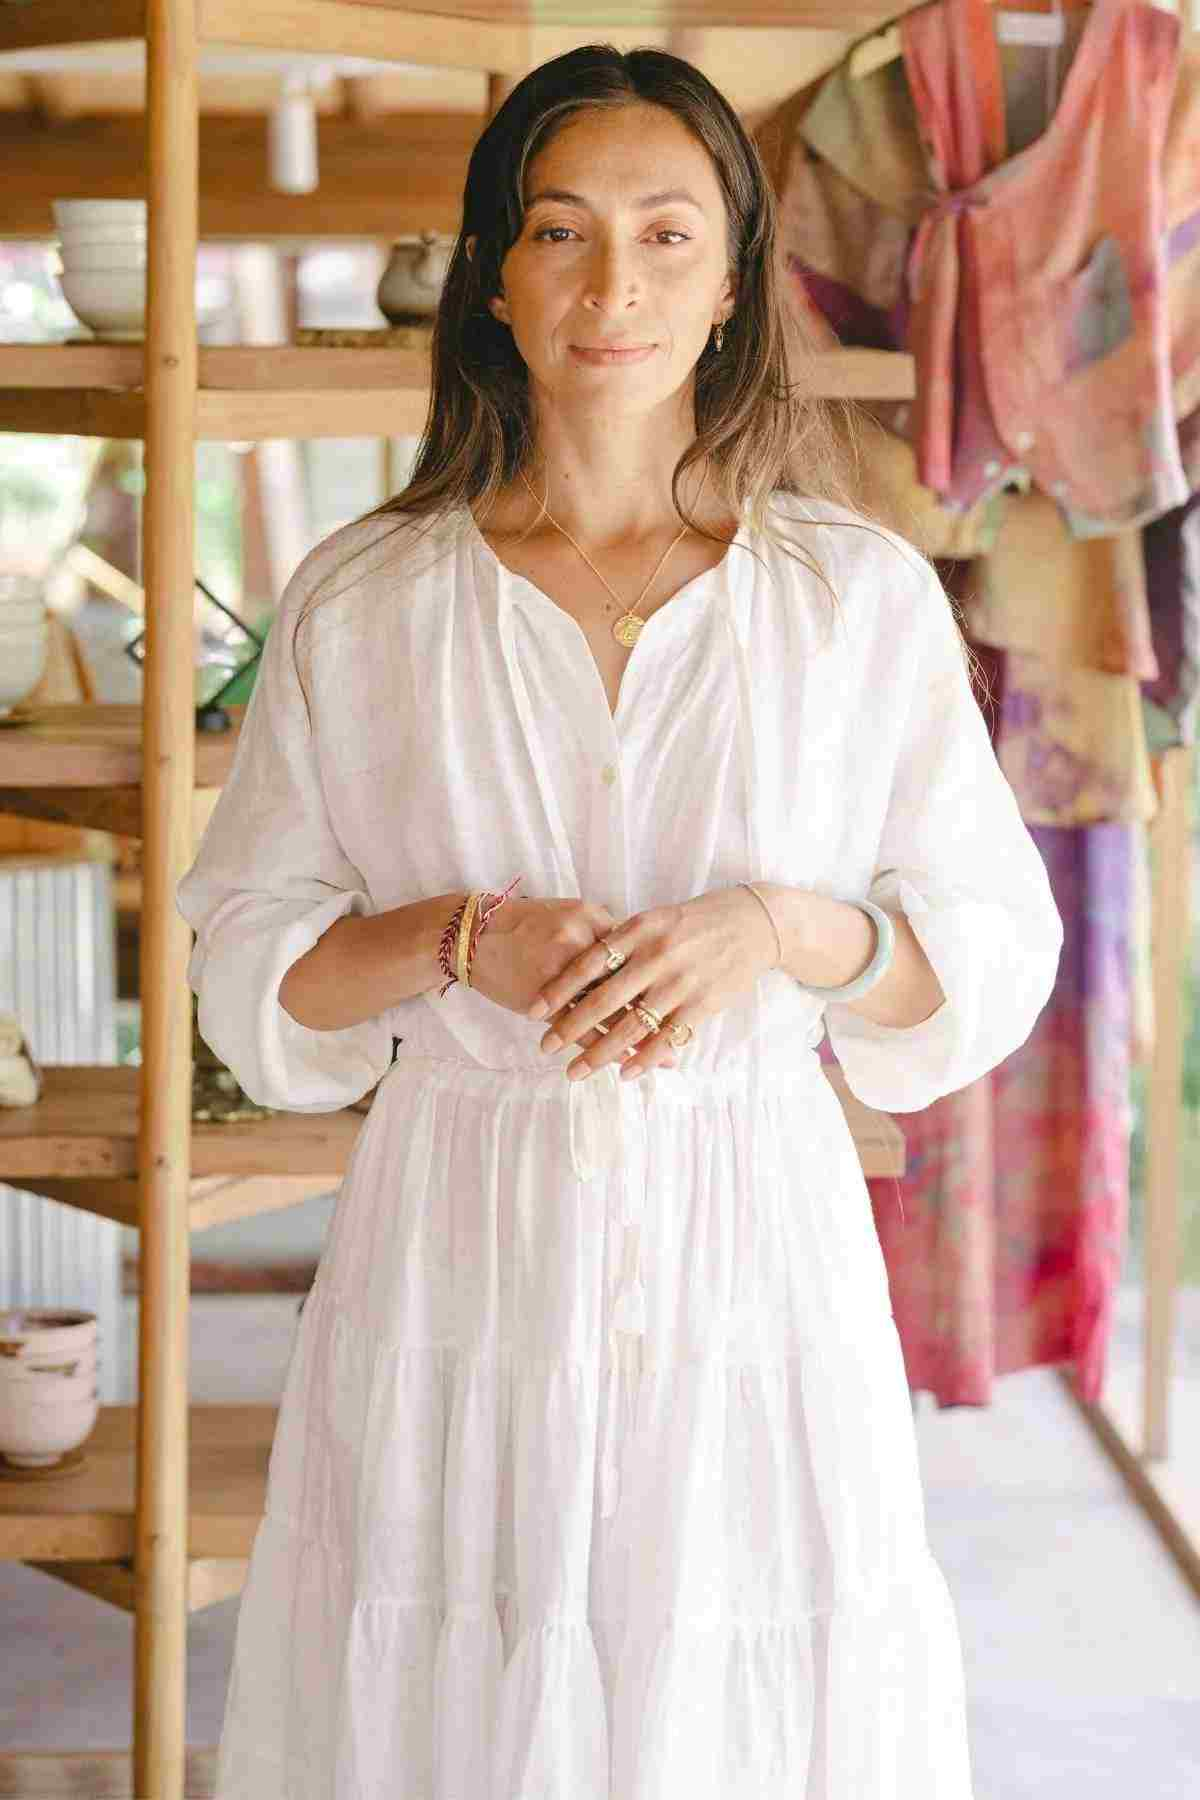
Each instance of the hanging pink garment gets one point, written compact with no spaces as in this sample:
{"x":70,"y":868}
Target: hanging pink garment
{"x":1039,"y":284}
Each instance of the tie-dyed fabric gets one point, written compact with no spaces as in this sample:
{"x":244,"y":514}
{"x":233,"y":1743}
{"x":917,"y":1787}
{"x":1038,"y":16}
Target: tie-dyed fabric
{"x":1040,"y":318}
{"x":1003,"y":1242}
{"x":1044,"y":271}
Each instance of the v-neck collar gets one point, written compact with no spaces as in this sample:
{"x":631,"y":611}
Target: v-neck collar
{"x":708,"y":585}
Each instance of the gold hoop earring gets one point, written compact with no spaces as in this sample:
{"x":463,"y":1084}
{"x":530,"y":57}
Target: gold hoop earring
{"x":720,"y":334}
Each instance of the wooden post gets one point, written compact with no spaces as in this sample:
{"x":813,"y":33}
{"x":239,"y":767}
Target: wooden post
{"x":499,"y":87}
{"x":164,"y":1141}
{"x":1171,"y":941}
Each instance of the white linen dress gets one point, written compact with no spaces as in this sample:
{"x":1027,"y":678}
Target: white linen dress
{"x":595,"y":1474}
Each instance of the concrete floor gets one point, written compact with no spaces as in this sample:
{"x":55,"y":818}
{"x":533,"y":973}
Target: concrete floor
{"x":1081,"y":1638}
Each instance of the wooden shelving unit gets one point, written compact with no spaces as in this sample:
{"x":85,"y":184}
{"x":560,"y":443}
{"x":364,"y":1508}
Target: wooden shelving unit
{"x":163,"y":1518}
{"x":94,"y":390}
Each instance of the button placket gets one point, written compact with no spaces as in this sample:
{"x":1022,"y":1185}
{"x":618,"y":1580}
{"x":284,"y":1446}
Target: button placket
{"x":607,"y":1121}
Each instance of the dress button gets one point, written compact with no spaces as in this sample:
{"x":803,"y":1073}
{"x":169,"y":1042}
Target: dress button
{"x":608,"y":774}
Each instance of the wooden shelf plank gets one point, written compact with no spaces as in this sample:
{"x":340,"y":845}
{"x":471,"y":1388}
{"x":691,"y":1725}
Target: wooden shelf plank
{"x":88,"y":1516}
{"x":487,"y":35}
{"x":104,"y":155}
{"x":263,"y":413}
{"x":115,"y":810}
{"x":91,"y":746}
{"x":851,"y":16}
{"x":249,"y":368}
{"x":463,"y":37}
{"x":251,"y":393}
{"x":214,"y":1199}
{"x":86,"y":1126}
{"x":247,"y":417}
{"x":209,"y":1579}
{"x":73,"y":412}
{"x":71,"y":22}
{"x":862,"y":375}
{"x":95,"y":1774}
{"x":291,"y":370}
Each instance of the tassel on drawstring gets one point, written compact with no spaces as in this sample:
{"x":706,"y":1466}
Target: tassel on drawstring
{"x":629,"y":1307}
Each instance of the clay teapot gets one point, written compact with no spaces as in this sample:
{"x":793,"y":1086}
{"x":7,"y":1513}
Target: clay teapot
{"x":411,"y":284}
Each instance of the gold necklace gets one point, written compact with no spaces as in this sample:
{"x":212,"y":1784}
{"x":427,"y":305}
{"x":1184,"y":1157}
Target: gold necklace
{"x":628,"y":627}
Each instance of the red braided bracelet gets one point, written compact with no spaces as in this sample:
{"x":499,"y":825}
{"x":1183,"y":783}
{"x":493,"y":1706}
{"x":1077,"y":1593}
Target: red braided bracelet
{"x":449,"y":938}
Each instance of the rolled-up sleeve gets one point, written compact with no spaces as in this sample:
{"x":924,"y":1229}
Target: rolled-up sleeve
{"x":269,"y":878}
{"x":956,"y":858}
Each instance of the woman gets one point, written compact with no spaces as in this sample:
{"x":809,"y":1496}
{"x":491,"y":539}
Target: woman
{"x":595,"y":1472}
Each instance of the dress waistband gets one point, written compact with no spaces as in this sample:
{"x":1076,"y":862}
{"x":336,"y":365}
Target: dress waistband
{"x":607,"y":1120}
{"x":603,"y":1098}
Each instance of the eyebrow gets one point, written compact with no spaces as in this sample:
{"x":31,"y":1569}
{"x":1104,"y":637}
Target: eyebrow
{"x":662,"y":198}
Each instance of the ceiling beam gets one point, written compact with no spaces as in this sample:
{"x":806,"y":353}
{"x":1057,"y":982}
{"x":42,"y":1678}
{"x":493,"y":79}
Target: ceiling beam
{"x":438,"y":38}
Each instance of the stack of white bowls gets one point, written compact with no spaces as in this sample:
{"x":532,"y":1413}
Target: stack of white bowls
{"x":24,"y":636}
{"x":49,"y":1398}
{"x":102,"y":247}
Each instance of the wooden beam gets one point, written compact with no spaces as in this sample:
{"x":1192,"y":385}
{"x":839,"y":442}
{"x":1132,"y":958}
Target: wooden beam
{"x":240,"y":368}
{"x":92,"y":1774}
{"x":209,"y":1579}
{"x":70,"y":22}
{"x":117,"y":810}
{"x":398,"y":173}
{"x":1171,"y":942}
{"x":73,"y":412}
{"x":437,"y":38}
{"x":631,"y":17}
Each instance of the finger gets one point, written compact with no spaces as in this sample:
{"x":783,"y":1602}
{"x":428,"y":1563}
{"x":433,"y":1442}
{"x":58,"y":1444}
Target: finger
{"x":654,"y":1049}
{"x":587,"y":971}
{"x":626,"y":1034}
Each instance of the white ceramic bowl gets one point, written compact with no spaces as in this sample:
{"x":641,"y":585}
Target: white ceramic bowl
{"x":36,"y":1434}
{"x":103,"y":256}
{"x":22,"y":665}
{"x":68,"y":213}
{"x":111,"y":301}
{"x":98,"y":236}
{"x":49,"y":1400}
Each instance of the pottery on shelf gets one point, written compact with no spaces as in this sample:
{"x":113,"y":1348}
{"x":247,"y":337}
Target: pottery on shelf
{"x":411,"y":285}
{"x":24,"y":639}
{"x":49,"y":1400}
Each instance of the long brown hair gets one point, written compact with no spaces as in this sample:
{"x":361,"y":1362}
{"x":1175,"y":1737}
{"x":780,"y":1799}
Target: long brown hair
{"x":756,"y":421}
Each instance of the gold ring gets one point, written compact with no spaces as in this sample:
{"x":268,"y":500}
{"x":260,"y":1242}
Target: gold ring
{"x":616,"y":959}
{"x":680,"y":1034}
{"x":647,"y":1015}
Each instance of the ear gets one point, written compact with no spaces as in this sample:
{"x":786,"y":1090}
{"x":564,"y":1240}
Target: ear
{"x":469,"y":246}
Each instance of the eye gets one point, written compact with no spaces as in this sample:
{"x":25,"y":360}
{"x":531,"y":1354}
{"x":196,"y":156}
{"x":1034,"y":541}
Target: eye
{"x":666,"y":231}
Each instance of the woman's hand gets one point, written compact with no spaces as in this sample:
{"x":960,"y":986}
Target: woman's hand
{"x":529,"y":941}
{"x":686,"y":961}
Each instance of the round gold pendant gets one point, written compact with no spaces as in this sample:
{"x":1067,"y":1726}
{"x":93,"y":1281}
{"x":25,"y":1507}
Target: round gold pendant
{"x":627,"y":629}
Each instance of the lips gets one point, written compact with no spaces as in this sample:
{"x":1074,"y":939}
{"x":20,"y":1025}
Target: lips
{"x":611,"y":353}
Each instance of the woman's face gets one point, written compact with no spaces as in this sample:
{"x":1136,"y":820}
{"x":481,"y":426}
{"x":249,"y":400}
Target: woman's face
{"x":605,"y":258}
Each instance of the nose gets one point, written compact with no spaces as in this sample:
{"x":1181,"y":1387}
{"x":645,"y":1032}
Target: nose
{"x":612,"y":279}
